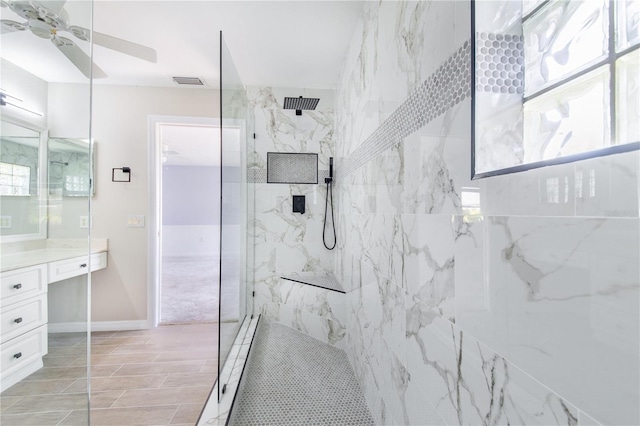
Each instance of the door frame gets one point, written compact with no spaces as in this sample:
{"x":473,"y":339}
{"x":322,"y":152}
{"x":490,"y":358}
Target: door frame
{"x":154,"y":238}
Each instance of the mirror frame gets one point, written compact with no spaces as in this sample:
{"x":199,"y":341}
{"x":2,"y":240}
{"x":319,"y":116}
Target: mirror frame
{"x":43,"y":190}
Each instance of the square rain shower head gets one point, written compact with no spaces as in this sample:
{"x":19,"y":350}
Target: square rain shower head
{"x":300,"y":103}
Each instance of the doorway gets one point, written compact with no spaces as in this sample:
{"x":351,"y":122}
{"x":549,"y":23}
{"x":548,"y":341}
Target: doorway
{"x":184,"y":222}
{"x":189,"y":223}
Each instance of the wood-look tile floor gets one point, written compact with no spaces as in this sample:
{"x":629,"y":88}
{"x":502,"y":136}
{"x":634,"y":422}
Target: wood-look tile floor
{"x":160,"y":376}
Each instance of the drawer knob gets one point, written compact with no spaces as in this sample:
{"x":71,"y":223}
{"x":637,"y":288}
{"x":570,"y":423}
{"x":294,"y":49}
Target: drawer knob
{"x":18,"y":320}
{"x":84,"y":265}
{"x":17,"y":286}
{"x":18,"y":355}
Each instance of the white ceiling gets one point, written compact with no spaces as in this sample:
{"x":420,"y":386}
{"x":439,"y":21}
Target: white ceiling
{"x":273,"y":43}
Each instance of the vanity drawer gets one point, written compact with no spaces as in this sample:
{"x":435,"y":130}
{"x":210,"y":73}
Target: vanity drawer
{"x":21,"y":284}
{"x":23,"y":350}
{"x":63,"y":269}
{"x":21,"y":317}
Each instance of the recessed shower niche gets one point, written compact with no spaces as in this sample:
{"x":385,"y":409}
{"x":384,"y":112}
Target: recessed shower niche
{"x":292,"y":168}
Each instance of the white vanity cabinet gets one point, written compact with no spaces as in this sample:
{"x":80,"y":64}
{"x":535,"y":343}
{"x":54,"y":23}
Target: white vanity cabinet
{"x":68,"y":268}
{"x":23,"y":330}
{"x":24,"y":311}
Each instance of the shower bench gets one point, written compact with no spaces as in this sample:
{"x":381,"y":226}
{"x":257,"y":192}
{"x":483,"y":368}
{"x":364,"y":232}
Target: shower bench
{"x":312,"y":304}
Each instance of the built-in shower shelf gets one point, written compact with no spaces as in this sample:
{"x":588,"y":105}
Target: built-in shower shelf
{"x":328,"y":282}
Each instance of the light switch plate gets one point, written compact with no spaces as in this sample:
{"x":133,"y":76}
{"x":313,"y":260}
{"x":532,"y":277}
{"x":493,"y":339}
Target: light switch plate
{"x":135,"y":221}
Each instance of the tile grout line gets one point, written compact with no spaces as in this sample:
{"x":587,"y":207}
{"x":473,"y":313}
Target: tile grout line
{"x":14,"y":402}
{"x":64,"y":418}
{"x":122,"y":392}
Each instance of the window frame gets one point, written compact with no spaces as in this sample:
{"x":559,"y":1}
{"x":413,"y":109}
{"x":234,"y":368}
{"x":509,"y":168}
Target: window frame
{"x":13,"y":175}
{"x":609,"y":60}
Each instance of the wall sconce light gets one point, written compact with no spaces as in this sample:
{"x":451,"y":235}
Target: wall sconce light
{"x":4,"y":102}
{"x":124,"y":174}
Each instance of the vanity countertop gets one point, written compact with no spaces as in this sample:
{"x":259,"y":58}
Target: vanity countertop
{"x":52,"y":251}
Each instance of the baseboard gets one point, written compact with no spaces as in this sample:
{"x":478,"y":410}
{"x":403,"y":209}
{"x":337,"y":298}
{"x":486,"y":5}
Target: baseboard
{"x":75,"y":327}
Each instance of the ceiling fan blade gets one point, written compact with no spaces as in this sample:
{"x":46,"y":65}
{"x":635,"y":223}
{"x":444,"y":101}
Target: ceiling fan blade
{"x":80,"y":59}
{"x":118,"y":44}
{"x":8,"y":26}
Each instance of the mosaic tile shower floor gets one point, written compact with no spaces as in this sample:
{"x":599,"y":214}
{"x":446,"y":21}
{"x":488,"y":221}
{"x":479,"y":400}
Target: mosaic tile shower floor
{"x":294,"y":379}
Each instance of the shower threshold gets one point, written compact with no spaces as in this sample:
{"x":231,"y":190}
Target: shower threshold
{"x":294,"y":379}
{"x":216,"y":413}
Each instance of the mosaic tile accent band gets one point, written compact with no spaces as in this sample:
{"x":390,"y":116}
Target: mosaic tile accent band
{"x":499,"y":63}
{"x":260,"y":176}
{"x":256,"y":175}
{"x":449,"y":85}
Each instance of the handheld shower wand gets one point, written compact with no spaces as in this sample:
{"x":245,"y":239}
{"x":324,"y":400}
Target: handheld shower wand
{"x":329,"y":182}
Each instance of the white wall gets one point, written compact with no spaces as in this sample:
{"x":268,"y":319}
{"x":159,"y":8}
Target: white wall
{"x":69,"y":106}
{"x":31,"y":89}
{"x":119,"y":127}
{"x":190,"y":240}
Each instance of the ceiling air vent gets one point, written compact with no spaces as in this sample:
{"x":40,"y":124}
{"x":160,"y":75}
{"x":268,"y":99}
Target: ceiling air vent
{"x":190,"y":81}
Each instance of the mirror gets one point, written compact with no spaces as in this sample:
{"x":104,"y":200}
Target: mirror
{"x":21,"y":174}
{"x":70,"y":167}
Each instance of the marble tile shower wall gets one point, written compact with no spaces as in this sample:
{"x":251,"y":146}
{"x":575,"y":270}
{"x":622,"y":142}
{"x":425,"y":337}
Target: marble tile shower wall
{"x":288,"y":243}
{"x":505,"y":300}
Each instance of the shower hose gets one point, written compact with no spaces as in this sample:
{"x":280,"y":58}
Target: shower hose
{"x":333,"y":223}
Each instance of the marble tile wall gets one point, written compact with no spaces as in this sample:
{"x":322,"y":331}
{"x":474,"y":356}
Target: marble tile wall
{"x":284,"y":242}
{"x":505,"y":300}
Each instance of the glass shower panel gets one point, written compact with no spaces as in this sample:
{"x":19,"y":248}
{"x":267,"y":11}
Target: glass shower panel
{"x":43,"y":86}
{"x":233,"y":211}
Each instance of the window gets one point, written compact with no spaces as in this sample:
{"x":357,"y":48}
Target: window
{"x":14,"y":179}
{"x":76,"y":185}
{"x":576,"y":65}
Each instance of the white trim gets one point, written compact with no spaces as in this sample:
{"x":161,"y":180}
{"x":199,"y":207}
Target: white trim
{"x":75,"y":327}
{"x":154,"y":243}
{"x":42,"y":184}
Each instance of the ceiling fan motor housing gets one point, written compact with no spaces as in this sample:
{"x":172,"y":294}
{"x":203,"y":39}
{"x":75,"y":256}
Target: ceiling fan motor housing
{"x":41,"y":29}
{"x":34,"y":11}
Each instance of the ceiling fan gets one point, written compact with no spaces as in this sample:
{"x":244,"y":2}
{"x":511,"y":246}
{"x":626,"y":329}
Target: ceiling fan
{"x":48,"y":19}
